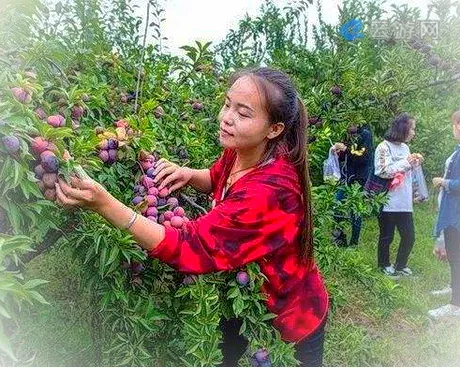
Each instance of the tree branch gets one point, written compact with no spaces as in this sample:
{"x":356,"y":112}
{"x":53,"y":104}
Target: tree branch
{"x":193,"y":203}
{"x":142,"y":57}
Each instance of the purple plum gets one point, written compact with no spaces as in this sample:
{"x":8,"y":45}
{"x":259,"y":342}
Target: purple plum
{"x":242,"y":278}
{"x":11,"y":143}
{"x":136,"y":200}
{"x":50,"y":164}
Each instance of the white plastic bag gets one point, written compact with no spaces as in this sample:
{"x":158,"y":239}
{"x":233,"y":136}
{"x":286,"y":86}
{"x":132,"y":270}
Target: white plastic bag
{"x":331,"y":167}
{"x":419,"y":185}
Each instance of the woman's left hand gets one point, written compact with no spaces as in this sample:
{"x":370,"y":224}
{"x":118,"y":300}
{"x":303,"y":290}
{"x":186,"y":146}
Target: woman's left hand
{"x":85,"y":193}
{"x":419,"y":157}
{"x":415,"y":159}
{"x":440,"y":253}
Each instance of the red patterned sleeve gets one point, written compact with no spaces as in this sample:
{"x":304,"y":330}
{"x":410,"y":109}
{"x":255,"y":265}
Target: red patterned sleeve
{"x":252,"y":222}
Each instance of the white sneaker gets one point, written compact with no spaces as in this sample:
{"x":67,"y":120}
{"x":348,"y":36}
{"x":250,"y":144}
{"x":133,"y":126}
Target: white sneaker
{"x":447,"y":310}
{"x":446,"y":291}
{"x":390,"y":272}
{"x":406,"y":271}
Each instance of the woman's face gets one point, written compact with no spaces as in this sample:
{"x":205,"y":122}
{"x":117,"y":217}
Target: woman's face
{"x":244,"y":121}
{"x":411,"y":133}
{"x":456,"y":129}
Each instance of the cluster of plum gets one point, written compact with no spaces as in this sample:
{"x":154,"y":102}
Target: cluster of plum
{"x":58,"y":120}
{"x":111,"y":142}
{"x":157,"y":205}
{"x":46,"y":166}
{"x":24,"y":94}
{"x":432,"y":58}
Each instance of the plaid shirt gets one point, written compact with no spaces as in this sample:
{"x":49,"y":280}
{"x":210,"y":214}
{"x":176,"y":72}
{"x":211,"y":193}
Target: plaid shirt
{"x":259,"y":220}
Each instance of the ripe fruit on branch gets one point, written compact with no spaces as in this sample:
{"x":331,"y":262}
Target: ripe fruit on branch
{"x":151,"y":212}
{"x":49,"y":179}
{"x":177,"y":222}
{"x":136,"y":200}
{"x":39,"y":145}
{"x":104,"y":155}
{"x":242,"y":278}
{"x":168,"y":215}
{"x":40,"y":113}
{"x":21,"y":95}
{"x":113,"y":153}
{"x":56,"y":121}
{"x":50,"y":163}
{"x":179,"y":211}
{"x":147,"y":182}
{"x":50,"y":194}
{"x":151,"y":200}
{"x":197,"y":106}
{"x":261,"y":358}
{"x":172,"y":202}
{"x":77,"y":112}
{"x":158,"y":112}
{"x":121,"y":124}
{"x":11,"y":143}
{"x":336,"y":91}
{"x":150,"y":168}
{"x":39,"y":171}
{"x":112,"y":144}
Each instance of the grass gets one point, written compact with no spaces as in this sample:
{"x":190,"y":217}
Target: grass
{"x":56,"y":334}
{"x":375,"y":321}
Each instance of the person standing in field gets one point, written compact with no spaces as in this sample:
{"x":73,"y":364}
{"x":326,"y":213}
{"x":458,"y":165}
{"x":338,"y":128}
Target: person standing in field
{"x":394,"y":161}
{"x":356,"y":157}
{"x":448,"y":222}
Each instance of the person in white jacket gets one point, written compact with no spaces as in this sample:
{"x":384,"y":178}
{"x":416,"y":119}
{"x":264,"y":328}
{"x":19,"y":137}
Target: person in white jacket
{"x":394,"y":161}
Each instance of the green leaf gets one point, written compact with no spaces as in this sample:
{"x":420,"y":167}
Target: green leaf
{"x":113,"y":255}
{"x":34,"y":283}
{"x":243,"y":327}
{"x":238,"y":306}
{"x":4,"y":312}
{"x":5,"y":345}
{"x":193,"y":348}
{"x":268,"y":316}
{"x":37,"y":296}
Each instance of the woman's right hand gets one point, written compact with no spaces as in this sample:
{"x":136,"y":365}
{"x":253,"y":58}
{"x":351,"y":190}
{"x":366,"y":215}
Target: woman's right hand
{"x":170,"y":174}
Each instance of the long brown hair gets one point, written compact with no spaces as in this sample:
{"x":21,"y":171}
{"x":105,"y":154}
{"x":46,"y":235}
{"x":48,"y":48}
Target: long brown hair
{"x":284,"y":104}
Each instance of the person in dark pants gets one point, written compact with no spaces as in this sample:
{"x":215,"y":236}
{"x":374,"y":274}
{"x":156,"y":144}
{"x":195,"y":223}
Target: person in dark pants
{"x":308,"y":351}
{"x":449,"y":223}
{"x":356,"y":162}
{"x":404,"y":223}
{"x":394,"y":161}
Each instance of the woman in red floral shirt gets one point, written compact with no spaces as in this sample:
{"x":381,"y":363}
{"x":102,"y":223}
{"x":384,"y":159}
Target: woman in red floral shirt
{"x":261,"y":210}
